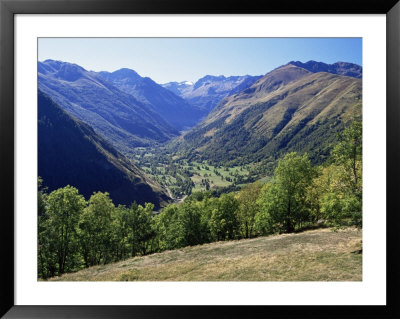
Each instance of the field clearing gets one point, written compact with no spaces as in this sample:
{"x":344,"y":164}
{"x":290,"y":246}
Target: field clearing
{"x":316,"y":255}
{"x":205,"y":171}
{"x":214,"y":180}
{"x":218,"y":177}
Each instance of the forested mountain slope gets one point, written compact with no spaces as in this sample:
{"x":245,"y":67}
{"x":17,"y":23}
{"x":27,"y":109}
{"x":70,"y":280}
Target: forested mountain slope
{"x":289,"y":109}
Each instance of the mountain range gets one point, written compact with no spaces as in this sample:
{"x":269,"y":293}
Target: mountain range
{"x":340,"y":68}
{"x":89,"y":121}
{"x":208,"y":91}
{"x":70,"y":152}
{"x":289,"y":109}
{"x":174,"y":109}
{"x":117,"y":116}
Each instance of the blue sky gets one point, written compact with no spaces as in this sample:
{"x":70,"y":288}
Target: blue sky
{"x":188,"y":59}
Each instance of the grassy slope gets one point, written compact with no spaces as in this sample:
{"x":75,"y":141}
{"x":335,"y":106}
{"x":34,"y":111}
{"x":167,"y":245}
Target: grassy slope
{"x":317,"y":255}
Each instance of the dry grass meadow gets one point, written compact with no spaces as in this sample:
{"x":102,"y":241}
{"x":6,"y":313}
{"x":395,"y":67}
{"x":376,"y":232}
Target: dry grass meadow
{"x":316,"y":255}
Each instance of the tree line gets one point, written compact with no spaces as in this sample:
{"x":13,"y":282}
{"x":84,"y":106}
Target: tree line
{"x":74,"y":233}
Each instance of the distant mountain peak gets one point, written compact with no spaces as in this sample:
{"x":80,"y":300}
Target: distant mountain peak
{"x":70,"y":72}
{"x":125,"y":72}
{"x":59,"y":64}
{"x":209,"y":90}
{"x":65,"y":71}
{"x":124,"y":75}
{"x":172,"y":108}
{"x":208,"y":78}
{"x":53,"y":61}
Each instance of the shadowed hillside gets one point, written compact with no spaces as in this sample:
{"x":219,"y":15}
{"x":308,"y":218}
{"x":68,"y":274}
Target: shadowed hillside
{"x":117,"y":116}
{"x":175,"y":110}
{"x":70,"y":152}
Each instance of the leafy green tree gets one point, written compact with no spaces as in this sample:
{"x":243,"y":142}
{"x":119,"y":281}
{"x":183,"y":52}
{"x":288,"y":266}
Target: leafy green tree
{"x":271,"y":209}
{"x":248,"y":208}
{"x":64,"y":206}
{"x":284,"y":201}
{"x":316,"y":190}
{"x":166,"y":227}
{"x":223,"y":221}
{"x":348,"y":153}
{"x":139,"y":223}
{"x":96,"y":230}
{"x":189,"y":219}
{"x":47,"y":257}
{"x":340,"y":185}
{"x":346,"y":192}
{"x":42,"y":197}
{"x":207,"y":205}
{"x":180,"y":225}
{"x":120,"y":233}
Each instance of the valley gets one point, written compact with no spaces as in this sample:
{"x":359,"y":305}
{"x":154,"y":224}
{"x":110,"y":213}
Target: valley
{"x":249,"y":127}
{"x":289,"y":109}
{"x":140,"y":119}
{"x":130,"y":168}
{"x":217,"y":134}
{"x":183,"y":176}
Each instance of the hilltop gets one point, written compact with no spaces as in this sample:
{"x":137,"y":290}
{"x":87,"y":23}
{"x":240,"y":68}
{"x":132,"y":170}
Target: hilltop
{"x":316,"y":255}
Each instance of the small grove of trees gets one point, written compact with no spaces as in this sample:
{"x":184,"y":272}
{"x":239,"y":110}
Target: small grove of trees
{"x":342,"y":198}
{"x":300,"y":195}
{"x":74,"y":233}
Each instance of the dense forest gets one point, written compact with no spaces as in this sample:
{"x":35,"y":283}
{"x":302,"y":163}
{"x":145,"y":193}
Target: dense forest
{"x":74,"y":233}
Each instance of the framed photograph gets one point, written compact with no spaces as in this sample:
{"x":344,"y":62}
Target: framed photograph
{"x":165,"y":158}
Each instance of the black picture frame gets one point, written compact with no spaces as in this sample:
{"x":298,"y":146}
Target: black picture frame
{"x":8,"y":8}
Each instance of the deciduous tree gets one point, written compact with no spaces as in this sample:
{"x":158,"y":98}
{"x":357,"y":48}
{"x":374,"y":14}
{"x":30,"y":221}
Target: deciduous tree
{"x":284,"y":201}
{"x":248,"y":208}
{"x":64,"y":207}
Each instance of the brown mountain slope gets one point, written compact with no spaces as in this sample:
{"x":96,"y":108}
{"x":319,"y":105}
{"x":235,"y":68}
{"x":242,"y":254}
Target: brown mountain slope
{"x":289,"y":109}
